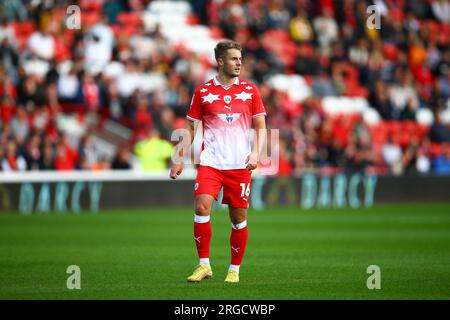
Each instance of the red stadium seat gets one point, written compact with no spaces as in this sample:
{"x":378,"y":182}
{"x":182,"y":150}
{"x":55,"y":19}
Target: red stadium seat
{"x":179,"y":123}
{"x":390,"y":51}
{"x":356,"y":91}
{"x":422,"y":130}
{"x":24,"y":28}
{"x":90,"y":18}
{"x":216,"y":32}
{"x":192,"y":19}
{"x":129,"y":19}
{"x":90,"y":5}
{"x":393,"y":127}
{"x":62,"y":52}
{"x":436,"y":149}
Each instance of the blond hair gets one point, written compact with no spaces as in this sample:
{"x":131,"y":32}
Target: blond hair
{"x":220,"y":51}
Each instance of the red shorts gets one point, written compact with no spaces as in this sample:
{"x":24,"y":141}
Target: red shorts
{"x":236,"y":185}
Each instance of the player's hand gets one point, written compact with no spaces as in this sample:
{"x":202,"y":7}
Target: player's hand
{"x":251,"y":161}
{"x":176,"y":170}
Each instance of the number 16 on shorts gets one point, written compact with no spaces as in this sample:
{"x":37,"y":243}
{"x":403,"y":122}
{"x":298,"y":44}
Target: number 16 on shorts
{"x":245,"y":189}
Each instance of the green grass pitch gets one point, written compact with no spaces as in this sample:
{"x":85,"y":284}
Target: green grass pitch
{"x":291,"y":254}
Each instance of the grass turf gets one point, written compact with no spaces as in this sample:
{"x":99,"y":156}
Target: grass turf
{"x":291,"y":254}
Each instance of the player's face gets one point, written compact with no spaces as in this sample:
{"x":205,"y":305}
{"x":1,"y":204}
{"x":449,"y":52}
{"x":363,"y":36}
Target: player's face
{"x":232,"y":63}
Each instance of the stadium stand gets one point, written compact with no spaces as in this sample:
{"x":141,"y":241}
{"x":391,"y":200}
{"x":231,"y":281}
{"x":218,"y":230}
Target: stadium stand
{"x":345,"y":97}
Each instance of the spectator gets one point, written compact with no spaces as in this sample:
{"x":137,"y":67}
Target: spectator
{"x":392,"y":155}
{"x":306,"y":62}
{"x":88,"y":153}
{"x":142,"y":79}
{"x":103,"y":30}
{"x":438,"y":131}
{"x":441,"y":10}
{"x":91,"y":92}
{"x":114,"y":103}
{"x":380,"y":101}
{"x":33,"y":152}
{"x":20,"y":124}
{"x":300,"y":29}
{"x":423,"y":163}
{"x":7,"y":33}
{"x":153,"y":152}
{"x":66,"y":157}
{"x":97,"y":53}
{"x":441,"y":163}
{"x":141,"y":44}
{"x":403,"y":93}
{"x":122,"y":160}
{"x":69,"y":88}
{"x":42,"y":44}
{"x":46,"y":161}
{"x":12,"y":160}
{"x":277,"y":16}
{"x":326,"y":29}
{"x":410,"y":157}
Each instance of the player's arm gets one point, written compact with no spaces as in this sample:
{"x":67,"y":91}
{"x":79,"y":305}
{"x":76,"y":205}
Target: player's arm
{"x":259,"y":124}
{"x":182,"y":148}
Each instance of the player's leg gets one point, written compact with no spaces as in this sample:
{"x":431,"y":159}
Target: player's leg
{"x":202,"y":226}
{"x":238,"y":241}
{"x":202,"y":236}
{"x":207,"y":187}
{"x":237,"y":195}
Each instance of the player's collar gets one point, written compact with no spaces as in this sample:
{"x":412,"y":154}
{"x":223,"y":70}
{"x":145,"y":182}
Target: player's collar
{"x":217,"y":83}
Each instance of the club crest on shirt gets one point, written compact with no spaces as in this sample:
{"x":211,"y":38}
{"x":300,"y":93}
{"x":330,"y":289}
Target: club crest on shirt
{"x":227,"y":99}
{"x":229,"y":117}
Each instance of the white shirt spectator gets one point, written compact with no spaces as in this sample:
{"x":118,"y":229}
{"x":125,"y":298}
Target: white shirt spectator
{"x":441,"y":10}
{"x":142,"y":46}
{"x":381,"y":7}
{"x":68,"y":86}
{"x":401,"y":95}
{"x":392,"y":153}
{"x":97,"y":54}
{"x":326,"y":29}
{"x":423,"y":164}
{"x":7,"y":32}
{"x":20,"y":161}
{"x":20,"y":128}
{"x":105,"y":33}
{"x":359,"y":55}
{"x":127,"y":83}
{"x":36,"y":67}
{"x":42,"y":45}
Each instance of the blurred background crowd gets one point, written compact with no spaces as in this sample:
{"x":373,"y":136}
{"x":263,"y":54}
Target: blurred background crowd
{"x":109,"y":94}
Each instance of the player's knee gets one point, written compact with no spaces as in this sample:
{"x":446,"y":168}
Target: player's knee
{"x":202,"y":209}
{"x":238,"y":220}
{"x":238,"y":215}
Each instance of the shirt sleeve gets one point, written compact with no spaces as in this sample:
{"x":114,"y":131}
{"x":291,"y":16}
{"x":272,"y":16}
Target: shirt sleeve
{"x":257,"y":104}
{"x":195,"y":110}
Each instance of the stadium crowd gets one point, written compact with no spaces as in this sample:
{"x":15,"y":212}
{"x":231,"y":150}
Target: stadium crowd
{"x":115,"y":68}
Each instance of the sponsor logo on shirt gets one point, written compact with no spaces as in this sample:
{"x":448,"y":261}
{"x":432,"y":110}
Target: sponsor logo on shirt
{"x":227,"y":99}
{"x":229,"y":117}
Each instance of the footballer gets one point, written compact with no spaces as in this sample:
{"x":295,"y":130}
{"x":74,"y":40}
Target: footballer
{"x":227,"y":107}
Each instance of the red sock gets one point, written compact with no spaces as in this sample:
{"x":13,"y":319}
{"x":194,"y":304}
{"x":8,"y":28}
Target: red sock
{"x":238,"y":242}
{"x":202,"y":237}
